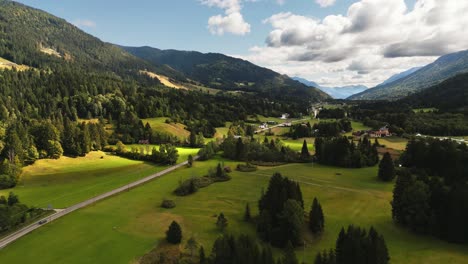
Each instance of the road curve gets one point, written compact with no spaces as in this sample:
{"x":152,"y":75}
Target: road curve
{"x":28,"y":229}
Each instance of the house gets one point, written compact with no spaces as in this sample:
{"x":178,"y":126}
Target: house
{"x":263,"y":126}
{"x":143,"y":142}
{"x":285,"y":116}
{"x":288,"y":124}
{"x":382,"y":132}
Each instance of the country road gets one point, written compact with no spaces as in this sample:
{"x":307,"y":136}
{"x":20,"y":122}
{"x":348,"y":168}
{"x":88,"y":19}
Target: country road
{"x":28,"y":229}
{"x":278,"y":125}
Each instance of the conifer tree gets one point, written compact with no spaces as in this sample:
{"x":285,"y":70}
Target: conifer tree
{"x":305,"y":155}
{"x":222,"y":222}
{"x":174,"y":233}
{"x":386,"y":168}
{"x":316,"y":218}
{"x":290,"y":255}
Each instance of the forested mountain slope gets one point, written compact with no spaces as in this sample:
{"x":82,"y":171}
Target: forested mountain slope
{"x":443,"y":68}
{"x":228,"y":73}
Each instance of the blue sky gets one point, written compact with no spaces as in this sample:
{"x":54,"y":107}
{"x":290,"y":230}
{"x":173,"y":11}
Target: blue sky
{"x":331,"y":42}
{"x":176,"y":24}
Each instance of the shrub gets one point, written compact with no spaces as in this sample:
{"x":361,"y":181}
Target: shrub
{"x":168,"y":204}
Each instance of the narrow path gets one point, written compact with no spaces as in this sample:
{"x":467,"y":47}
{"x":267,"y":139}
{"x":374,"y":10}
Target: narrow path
{"x":60,"y":213}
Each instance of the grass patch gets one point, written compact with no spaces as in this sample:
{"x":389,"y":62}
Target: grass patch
{"x":159,"y":125}
{"x":394,"y":142}
{"x":67,"y":181}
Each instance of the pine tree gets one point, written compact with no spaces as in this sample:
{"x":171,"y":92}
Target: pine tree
{"x":386,"y":168}
{"x":174,"y":233}
{"x":316,"y":218}
{"x":402,"y":183}
{"x":305,"y":155}
{"x":222,"y":222}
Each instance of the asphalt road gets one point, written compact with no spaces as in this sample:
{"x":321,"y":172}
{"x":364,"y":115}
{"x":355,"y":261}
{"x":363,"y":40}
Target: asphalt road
{"x":28,"y":229}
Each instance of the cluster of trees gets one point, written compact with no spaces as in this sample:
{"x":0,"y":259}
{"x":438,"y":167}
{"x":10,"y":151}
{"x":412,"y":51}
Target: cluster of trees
{"x":22,"y":142}
{"x":402,"y":119}
{"x":14,"y":213}
{"x":190,"y":186}
{"x":356,"y":245}
{"x":208,"y":151}
{"x":343,"y":152}
{"x":245,"y":250}
{"x":431,"y":194}
{"x":332,"y":113}
{"x":321,"y":129}
{"x":245,"y":149}
{"x":281,"y":210}
{"x":166,"y":155}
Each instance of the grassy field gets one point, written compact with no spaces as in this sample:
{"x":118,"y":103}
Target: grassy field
{"x":159,"y":124}
{"x":183,"y":152}
{"x":67,"y":181}
{"x":394,"y":142}
{"x":122,"y":228}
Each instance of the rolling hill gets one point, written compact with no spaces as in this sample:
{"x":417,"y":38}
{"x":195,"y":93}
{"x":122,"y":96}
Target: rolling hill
{"x":227,"y":73}
{"x":443,"y":68}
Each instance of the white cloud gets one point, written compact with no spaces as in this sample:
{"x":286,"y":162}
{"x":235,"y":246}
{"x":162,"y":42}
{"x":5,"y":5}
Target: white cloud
{"x":325,"y":3}
{"x":232,"y":22}
{"x":375,"y":39}
{"x":84,"y":23}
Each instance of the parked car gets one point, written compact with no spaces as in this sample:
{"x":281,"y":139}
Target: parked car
{"x":42,"y":221}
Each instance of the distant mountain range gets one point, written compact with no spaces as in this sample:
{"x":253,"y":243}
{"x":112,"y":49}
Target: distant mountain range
{"x":335,"y":92}
{"x":442,"y":69}
{"x":222,"y":72}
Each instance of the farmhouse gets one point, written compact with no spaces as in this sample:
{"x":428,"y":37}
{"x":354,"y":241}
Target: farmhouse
{"x":382,"y":132}
{"x":285,"y":116}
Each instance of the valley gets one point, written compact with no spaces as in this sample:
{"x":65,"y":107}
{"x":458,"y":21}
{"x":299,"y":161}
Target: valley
{"x":114,"y":151}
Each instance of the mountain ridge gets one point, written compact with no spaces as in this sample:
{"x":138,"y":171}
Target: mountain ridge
{"x":434,"y":73}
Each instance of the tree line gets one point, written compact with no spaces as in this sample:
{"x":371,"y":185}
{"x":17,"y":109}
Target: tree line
{"x":342,"y":152}
{"x":431,"y":192}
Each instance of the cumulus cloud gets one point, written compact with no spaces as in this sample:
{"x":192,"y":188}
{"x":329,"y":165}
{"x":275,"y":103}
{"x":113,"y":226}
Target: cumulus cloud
{"x":84,"y":23}
{"x":375,"y":39}
{"x":231,"y":22}
{"x":325,"y":3}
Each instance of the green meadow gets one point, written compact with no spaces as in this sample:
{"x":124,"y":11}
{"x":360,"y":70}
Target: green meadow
{"x":67,"y":181}
{"x":125,"y":227}
{"x":159,"y":125}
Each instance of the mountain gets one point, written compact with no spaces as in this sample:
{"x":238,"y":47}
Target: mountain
{"x":400,"y":75}
{"x":451,"y":94}
{"x":35,"y":38}
{"x":307,"y":82}
{"x":219,"y":71}
{"x":335,"y":92}
{"x":443,"y":68}
{"x":344,"y":92}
